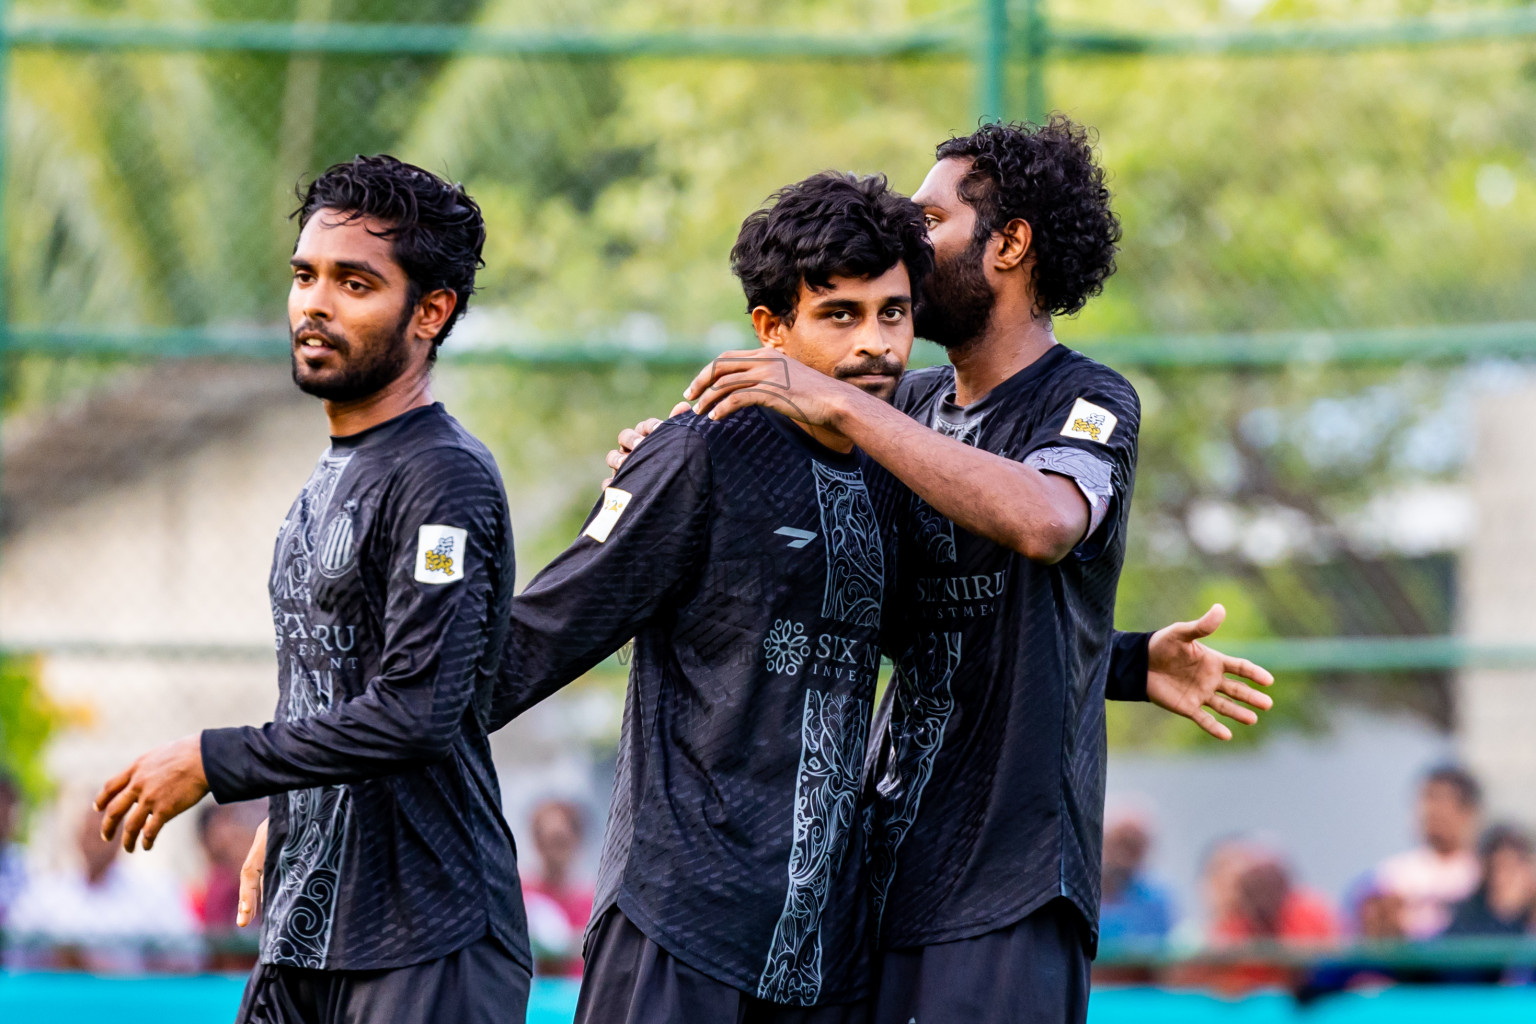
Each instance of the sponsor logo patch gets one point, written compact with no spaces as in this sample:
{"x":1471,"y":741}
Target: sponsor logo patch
{"x":615,"y":501}
{"x":440,"y":554}
{"x":1089,"y":422}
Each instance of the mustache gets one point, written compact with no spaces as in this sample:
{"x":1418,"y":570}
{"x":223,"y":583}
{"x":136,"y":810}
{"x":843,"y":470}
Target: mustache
{"x":889,"y":367}
{"x":335,"y":341}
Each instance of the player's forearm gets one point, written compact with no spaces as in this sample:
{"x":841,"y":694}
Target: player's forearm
{"x":993,"y":497}
{"x":382,"y":732}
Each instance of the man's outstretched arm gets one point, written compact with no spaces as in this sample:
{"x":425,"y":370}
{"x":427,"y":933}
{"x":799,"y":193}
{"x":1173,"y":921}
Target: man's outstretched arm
{"x":645,"y":538}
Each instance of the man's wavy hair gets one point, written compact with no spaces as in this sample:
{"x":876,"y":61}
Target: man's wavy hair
{"x":1045,"y":175}
{"x":829,"y":225}
{"x":437,"y":230}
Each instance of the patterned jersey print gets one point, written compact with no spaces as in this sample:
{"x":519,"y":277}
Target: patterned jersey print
{"x":752,"y":567}
{"x":382,"y":684}
{"x":988,"y":778}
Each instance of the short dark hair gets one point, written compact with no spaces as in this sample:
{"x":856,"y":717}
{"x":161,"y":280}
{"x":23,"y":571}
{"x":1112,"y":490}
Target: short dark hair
{"x":1468,"y":790}
{"x":438,"y":231}
{"x":1502,"y":836}
{"x":830,"y":224}
{"x":1045,"y":175}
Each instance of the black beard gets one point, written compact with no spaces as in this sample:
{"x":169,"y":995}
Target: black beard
{"x":956,"y":300}
{"x":357,"y":379}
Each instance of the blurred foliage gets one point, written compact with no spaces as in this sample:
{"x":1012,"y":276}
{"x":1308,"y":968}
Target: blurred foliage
{"x":1258,"y":192}
{"x":27,"y":719}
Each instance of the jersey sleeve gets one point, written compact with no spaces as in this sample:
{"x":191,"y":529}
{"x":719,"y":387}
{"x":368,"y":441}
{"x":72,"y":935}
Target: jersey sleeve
{"x":1127,"y":666}
{"x":645,"y":538}
{"x":442,"y":539}
{"x":1089,"y":435}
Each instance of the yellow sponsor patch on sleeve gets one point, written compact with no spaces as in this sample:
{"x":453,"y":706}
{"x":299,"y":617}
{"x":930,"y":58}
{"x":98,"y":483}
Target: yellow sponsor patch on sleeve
{"x":440,"y":554}
{"x":1089,"y":422}
{"x":615,"y":501}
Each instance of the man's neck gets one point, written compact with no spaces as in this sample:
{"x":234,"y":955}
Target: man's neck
{"x":396,"y":399}
{"x":1006,"y":346}
{"x":827,"y":438}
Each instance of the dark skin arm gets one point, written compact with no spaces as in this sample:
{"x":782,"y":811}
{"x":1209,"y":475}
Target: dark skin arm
{"x":1042,"y":516}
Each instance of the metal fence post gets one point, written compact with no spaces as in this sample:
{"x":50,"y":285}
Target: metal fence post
{"x":992,"y":59}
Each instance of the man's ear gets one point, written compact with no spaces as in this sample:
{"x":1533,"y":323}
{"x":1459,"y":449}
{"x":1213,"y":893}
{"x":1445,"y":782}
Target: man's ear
{"x":1013,"y":243}
{"x":770,"y":327}
{"x":433,"y":312}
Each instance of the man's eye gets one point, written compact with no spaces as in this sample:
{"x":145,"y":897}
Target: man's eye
{"x":930,"y":221}
{"x":895,"y":313}
{"x":842,"y":316}
{"x":303,"y":276}
{"x":355,"y":286}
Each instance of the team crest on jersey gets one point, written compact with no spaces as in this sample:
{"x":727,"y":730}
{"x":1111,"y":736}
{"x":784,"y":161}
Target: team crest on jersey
{"x":1089,"y":422}
{"x":440,"y":554}
{"x":337,"y":542}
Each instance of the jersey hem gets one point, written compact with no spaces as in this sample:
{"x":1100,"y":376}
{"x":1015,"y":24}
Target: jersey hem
{"x":389,"y":963}
{"x":995,"y":922}
{"x":630,"y":907}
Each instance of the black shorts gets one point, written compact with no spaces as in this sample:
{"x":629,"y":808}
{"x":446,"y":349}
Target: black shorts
{"x":1033,"y":972}
{"x":631,"y":980}
{"x":479,"y":984}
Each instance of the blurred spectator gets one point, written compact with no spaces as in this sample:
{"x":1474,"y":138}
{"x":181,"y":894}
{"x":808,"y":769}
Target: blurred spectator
{"x":558,"y":903}
{"x":225,"y":831}
{"x":101,"y":917}
{"x":1253,"y":902}
{"x":13,"y":871}
{"x":1505,"y":900}
{"x":1434,"y":877}
{"x":1380,"y":917}
{"x":1132,"y":909}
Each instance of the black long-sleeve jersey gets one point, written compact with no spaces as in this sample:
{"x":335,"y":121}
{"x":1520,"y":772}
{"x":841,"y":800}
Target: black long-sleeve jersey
{"x":751,"y":566}
{"x":988,"y":775}
{"x":391,"y":584}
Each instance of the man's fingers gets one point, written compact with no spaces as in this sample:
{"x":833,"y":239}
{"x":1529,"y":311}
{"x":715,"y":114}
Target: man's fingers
{"x":1246,"y":669}
{"x":1202,"y":627}
{"x":631,"y":436}
{"x":1232,"y":709}
{"x":615,"y":459}
{"x":725,"y":386}
{"x":116,"y":808}
{"x":1246,"y":694}
{"x":1207,"y":721}
{"x":152,"y":828}
{"x":134,"y":824}
{"x":111,"y":788}
{"x":680,"y":407}
{"x":725,"y":363}
{"x":250,"y":878}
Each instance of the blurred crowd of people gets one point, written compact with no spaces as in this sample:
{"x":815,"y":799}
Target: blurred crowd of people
{"x":93,"y":911}
{"x":1462,"y":881}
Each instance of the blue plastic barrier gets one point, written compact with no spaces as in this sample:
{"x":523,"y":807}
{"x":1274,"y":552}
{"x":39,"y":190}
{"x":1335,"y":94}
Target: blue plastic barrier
{"x":49,"y":998}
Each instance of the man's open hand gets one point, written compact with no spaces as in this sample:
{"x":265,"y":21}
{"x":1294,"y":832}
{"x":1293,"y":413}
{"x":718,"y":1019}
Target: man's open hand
{"x":1186,"y":677}
{"x":155,"y":788}
{"x":763,"y":376}
{"x":630,"y":438}
{"x":250,"y":877}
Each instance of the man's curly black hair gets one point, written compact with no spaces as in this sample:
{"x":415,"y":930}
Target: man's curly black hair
{"x":830,"y":224}
{"x":1045,"y":175}
{"x":437,"y":229}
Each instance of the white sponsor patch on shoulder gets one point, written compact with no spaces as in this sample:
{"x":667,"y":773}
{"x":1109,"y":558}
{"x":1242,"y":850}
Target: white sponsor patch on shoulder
{"x":440,"y":554}
{"x":1089,"y":422}
{"x":615,"y":502}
